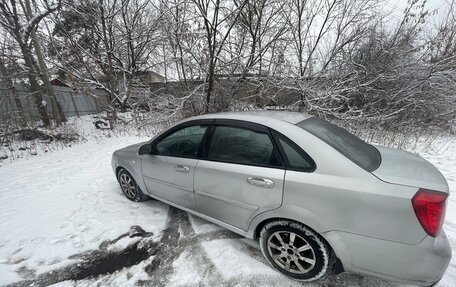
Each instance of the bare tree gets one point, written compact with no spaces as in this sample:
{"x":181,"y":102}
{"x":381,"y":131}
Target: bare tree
{"x":261,"y":21}
{"x":83,"y":46}
{"x":20,"y":27}
{"x":387,"y":77}
{"x":138,"y":39}
{"x":320,"y":30}
{"x":183,"y":40}
{"x":56,"y":108}
{"x":218,"y":21}
{"x":334,"y":58}
{"x":7,"y":74}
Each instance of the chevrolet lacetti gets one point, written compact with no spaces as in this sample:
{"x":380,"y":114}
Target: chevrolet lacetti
{"x":317,"y":198}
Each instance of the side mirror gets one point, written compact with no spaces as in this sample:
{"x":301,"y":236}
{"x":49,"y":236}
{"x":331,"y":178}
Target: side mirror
{"x":144,"y":149}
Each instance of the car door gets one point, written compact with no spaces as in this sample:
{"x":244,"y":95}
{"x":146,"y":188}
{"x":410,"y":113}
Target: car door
{"x":240,"y":174}
{"x":169,"y":170}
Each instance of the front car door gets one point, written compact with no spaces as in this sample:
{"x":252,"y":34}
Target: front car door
{"x":240,"y":175}
{"x":169,"y":170}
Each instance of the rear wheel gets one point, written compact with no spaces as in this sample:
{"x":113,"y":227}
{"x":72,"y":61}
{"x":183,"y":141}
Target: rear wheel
{"x":294,"y":250}
{"x":129,"y":187}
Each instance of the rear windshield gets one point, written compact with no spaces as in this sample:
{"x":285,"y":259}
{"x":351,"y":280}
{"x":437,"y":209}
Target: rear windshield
{"x":354,"y":148}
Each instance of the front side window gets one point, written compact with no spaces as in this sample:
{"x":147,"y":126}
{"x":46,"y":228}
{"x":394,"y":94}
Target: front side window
{"x":184,"y":142}
{"x":244,"y":146}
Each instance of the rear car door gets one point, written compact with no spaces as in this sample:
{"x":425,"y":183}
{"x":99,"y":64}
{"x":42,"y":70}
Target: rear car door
{"x":240,"y":175}
{"x":169,"y":170}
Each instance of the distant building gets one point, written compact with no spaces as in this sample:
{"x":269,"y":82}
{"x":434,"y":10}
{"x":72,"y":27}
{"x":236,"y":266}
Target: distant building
{"x":141,"y":78}
{"x":140,"y":84}
{"x":149,"y":77}
{"x":59,"y":82}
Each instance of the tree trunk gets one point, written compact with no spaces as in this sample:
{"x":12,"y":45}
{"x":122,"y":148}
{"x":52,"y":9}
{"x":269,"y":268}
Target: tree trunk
{"x":111,"y":79}
{"x":210,"y":85}
{"x":34,"y":86}
{"x":57,"y":112}
{"x":10,"y":86}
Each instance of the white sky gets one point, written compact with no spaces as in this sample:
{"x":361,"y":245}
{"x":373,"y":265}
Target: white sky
{"x":396,"y":8}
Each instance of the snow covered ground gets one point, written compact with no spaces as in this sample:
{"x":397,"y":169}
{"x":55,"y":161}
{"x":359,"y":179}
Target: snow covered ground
{"x":63,"y":203}
{"x":62,"y":208}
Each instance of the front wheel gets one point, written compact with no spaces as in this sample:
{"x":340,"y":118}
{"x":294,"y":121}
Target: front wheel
{"x":294,"y":250}
{"x":129,"y":187}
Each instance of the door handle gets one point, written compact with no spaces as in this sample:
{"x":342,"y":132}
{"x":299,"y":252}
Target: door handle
{"x":181,"y":168}
{"x":260,"y":182}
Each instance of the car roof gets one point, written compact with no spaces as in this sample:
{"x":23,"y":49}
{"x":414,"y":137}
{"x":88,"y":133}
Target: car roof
{"x":259,"y":116}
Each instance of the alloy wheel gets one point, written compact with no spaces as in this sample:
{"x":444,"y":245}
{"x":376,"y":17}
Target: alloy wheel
{"x":291,"y":252}
{"x":128,"y":185}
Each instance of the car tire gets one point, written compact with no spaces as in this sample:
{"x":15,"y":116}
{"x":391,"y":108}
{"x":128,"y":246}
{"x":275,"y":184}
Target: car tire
{"x":294,"y":250}
{"x":130,"y":189}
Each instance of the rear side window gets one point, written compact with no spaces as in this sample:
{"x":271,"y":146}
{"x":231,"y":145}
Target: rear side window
{"x":352,"y":147}
{"x":244,"y":146}
{"x":296,"y":159}
{"x":183,"y":143}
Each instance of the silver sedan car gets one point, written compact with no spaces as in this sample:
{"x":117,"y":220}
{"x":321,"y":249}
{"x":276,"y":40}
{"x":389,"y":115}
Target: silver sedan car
{"x":317,"y":198}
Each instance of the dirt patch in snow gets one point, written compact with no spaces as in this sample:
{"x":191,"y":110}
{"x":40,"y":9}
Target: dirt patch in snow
{"x":178,"y":237}
{"x":94,"y":263}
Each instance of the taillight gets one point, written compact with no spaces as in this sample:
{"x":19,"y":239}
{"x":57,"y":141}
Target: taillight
{"x":430,"y":207}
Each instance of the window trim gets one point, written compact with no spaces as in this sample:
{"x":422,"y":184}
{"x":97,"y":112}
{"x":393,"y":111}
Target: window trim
{"x":203,"y":122}
{"x":242,"y":125}
{"x":203,"y":149}
{"x":277,"y":135}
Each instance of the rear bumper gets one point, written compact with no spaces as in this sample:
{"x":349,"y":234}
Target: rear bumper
{"x":422,"y":264}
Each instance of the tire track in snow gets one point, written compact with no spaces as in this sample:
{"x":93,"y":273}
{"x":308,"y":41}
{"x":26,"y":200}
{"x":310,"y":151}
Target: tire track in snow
{"x":179,"y":237}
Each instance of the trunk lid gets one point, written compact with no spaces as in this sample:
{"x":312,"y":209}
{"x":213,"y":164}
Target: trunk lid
{"x":405,"y":168}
